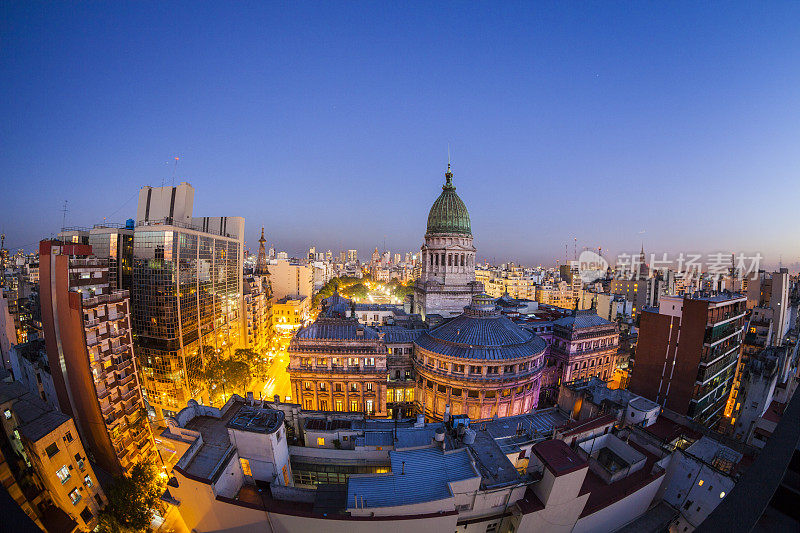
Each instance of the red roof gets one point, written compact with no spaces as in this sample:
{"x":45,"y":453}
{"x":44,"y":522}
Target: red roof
{"x":558,"y":457}
{"x":574,"y":427}
{"x":667,"y":430}
{"x":774,"y":412}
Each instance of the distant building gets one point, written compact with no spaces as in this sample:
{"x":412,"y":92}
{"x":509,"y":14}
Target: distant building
{"x":687,"y":354}
{"x":584,"y":345}
{"x":291,"y":279}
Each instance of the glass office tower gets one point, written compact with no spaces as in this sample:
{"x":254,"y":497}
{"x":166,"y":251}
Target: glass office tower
{"x":188,"y":304}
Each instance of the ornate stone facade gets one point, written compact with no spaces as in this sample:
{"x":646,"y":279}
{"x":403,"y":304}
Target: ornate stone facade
{"x":337,"y":364}
{"x":584,"y":344}
{"x":480,"y":364}
{"x":447,"y":281}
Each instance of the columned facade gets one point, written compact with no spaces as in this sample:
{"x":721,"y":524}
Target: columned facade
{"x":480,"y":364}
{"x":447,"y":280}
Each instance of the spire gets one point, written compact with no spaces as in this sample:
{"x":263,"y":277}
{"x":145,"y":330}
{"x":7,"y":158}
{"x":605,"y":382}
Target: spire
{"x":448,"y":176}
{"x":261,"y":262}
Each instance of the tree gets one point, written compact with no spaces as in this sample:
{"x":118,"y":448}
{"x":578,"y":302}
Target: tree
{"x":359,"y":291}
{"x":132,"y":498}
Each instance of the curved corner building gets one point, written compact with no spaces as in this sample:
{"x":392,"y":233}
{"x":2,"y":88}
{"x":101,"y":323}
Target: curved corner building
{"x":480,"y":363}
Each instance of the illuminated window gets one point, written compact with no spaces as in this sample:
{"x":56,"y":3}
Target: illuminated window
{"x":7,"y":413}
{"x":320,"y":441}
{"x":87,"y":481}
{"x":75,"y":496}
{"x":63,"y":474}
{"x":700,"y":483}
{"x":721,"y":494}
{"x":245,"y":466}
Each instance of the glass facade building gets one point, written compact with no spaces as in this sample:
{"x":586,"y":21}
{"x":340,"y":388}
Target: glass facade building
{"x":187,"y":289}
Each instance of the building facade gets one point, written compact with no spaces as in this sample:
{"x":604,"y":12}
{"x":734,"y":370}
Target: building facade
{"x":480,"y":364}
{"x":687,"y":354}
{"x":187,"y":294}
{"x":584,"y":345}
{"x":337,"y":364}
{"x":89,"y":342}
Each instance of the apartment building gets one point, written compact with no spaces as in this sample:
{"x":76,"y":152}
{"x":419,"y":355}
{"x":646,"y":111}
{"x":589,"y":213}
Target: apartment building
{"x":687,"y":353}
{"x":44,"y":465}
{"x":89,"y":343}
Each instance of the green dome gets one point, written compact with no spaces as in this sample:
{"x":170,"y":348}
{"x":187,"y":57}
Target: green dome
{"x":448,"y":213}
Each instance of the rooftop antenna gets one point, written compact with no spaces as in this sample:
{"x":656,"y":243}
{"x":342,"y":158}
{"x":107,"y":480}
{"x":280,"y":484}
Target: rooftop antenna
{"x":174,"y":169}
{"x":64,"y":211}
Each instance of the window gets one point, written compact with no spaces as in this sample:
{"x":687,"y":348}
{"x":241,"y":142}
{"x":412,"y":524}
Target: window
{"x":68,"y":437}
{"x":700,"y":483}
{"x":7,"y":413}
{"x":721,"y":495}
{"x":320,"y":441}
{"x":338,"y":405}
{"x":63,"y":474}
{"x":88,"y":482}
{"x":51,"y":450}
{"x":368,"y":387}
{"x":354,"y":405}
{"x":86,"y":515}
{"x":354,"y":387}
{"x":337,"y":387}
{"x":75,"y":496}
{"x":245,"y":463}
{"x":322,"y":386}
{"x":369,"y":407}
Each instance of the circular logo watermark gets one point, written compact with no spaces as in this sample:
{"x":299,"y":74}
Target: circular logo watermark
{"x":591,"y":266}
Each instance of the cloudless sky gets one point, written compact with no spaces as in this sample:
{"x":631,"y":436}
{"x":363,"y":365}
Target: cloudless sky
{"x":673,"y":124}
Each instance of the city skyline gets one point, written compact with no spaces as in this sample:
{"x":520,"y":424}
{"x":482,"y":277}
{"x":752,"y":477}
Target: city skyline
{"x":555,"y":119}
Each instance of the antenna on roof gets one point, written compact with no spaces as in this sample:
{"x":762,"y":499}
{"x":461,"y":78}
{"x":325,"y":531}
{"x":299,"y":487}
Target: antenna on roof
{"x":174,"y":169}
{"x":64,"y":211}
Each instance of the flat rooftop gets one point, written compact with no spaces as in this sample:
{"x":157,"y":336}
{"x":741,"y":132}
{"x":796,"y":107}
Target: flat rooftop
{"x":417,"y":476}
{"x":256,"y":419}
{"x":559,"y":458}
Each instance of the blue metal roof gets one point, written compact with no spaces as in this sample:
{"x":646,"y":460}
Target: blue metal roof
{"x":582,"y":319}
{"x":427,"y":474}
{"x":336,"y":329}
{"x":399,"y":334}
{"x":493,"y":337}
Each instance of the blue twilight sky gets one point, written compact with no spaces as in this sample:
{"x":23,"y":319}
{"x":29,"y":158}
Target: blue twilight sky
{"x":675,"y":124}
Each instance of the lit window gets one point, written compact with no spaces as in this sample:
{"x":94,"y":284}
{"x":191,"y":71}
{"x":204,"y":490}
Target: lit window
{"x":87,"y":481}
{"x":721,"y":494}
{"x":245,"y":466}
{"x":7,"y":412}
{"x":700,"y":483}
{"x":75,"y":496}
{"x":320,"y":441}
{"x":63,"y":474}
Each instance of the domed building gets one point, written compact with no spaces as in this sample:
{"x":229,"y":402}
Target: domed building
{"x":447,"y":281}
{"x":480,"y":363}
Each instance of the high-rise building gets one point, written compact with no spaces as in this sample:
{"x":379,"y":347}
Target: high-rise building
{"x":187,"y":294}
{"x":87,"y":329}
{"x":687,"y":354}
{"x":352,"y":255}
{"x":447,"y":282}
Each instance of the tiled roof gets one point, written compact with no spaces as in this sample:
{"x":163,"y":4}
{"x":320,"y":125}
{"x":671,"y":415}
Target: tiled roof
{"x":427,"y":475}
{"x":398,"y":334}
{"x":493,"y":337}
{"x":582,"y":319}
{"x":336,"y":329}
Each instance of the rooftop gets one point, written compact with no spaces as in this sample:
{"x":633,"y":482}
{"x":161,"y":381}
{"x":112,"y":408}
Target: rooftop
{"x":417,"y":476}
{"x":559,"y":458}
{"x":336,"y":329}
{"x":585,"y":318}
